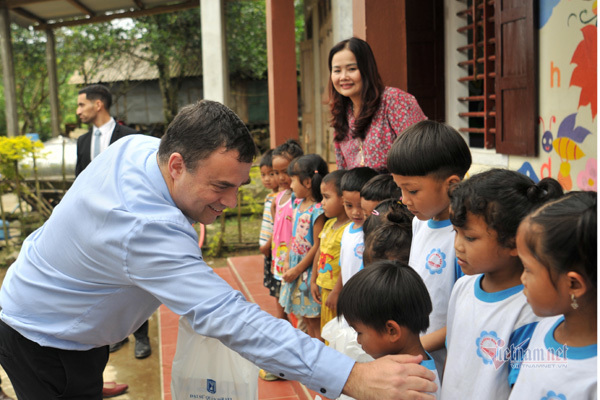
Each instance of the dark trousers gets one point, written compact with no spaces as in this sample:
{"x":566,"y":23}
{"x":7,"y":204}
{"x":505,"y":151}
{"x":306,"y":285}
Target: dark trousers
{"x":142,"y":331}
{"x":38,"y":372}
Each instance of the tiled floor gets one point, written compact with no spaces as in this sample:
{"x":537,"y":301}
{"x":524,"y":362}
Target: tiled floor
{"x":244,"y":274}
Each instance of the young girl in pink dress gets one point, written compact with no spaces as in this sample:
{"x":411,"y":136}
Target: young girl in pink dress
{"x":282,"y":212}
{"x":306,"y":172}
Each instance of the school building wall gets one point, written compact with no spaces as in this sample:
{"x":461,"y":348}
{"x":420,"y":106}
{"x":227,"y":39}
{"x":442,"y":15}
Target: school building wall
{"x":568,"y":135}
{"x":567,"y":98}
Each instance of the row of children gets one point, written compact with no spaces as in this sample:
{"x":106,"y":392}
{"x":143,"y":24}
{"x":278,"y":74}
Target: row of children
{"x":520,"y":324}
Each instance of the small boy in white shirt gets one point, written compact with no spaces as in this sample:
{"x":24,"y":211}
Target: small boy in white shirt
{"x":353,"y":245}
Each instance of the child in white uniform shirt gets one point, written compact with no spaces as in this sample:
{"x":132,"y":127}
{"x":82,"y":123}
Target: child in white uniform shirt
{"x":489,"y":320}
{"x":353,"y":244}
{"x":425,"y":161}
{"x":558,"y":247}
{"x":388,"y":305}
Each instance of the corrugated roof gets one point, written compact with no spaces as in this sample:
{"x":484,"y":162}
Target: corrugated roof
{"x":42,"y":14}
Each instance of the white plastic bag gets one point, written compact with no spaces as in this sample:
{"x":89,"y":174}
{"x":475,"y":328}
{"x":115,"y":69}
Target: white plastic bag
{"x":342,"y":337}
{"x":206,"y":369}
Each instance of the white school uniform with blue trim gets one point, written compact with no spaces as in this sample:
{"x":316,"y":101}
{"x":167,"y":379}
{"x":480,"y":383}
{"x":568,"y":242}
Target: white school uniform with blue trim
{"x":432,"y":255}
{"x":487,"y":332}
{"x":552,"y":371}
{"x":351,"y":251}
{"x":430,"y":365}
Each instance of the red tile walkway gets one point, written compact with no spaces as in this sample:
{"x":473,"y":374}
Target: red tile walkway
{"x":244,"y":274}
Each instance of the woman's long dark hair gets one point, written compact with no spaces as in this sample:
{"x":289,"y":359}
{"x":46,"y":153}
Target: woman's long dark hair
{"x":371,"y":91}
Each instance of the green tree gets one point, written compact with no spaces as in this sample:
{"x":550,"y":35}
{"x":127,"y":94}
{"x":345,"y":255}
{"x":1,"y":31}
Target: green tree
{"x":172,"y":43}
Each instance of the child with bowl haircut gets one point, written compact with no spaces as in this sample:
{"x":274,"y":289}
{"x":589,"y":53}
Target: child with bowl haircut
{"x":388,"y":306}
{"x":425,"y":161}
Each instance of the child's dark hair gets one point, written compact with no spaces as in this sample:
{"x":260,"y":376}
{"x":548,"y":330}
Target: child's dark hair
{"x":503,"y":198}
{"x":563,"y":235}
{"x":391,"y":238}
{"x":379,"y":215}
{"x":290,"y":149}
{"x":387,"y":290}
{"x":335,"y":177}
{"x":267,"y":159}
{"x":313,"y":167}
{"x":380,"y":187}
{"x":355,"y":179}
{"x":429,"y":147}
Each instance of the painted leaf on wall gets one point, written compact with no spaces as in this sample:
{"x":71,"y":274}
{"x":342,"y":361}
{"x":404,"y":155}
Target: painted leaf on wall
{"x":584,"y":74}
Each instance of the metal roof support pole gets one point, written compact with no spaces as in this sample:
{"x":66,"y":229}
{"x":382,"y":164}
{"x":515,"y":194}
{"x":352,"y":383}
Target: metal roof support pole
{"x":215,"y":74}
{"x":8,"y":73}
{"x":53,"y":82}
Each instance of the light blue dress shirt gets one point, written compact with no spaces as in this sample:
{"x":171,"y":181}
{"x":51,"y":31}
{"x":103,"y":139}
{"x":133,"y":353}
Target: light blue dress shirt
{"x":115,"y":248}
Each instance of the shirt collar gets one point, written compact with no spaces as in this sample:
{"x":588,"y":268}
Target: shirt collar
{"x":107,"y":128}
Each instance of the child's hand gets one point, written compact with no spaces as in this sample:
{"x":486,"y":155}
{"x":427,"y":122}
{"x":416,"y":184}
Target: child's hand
{"x":316,"y":293}
{"x":265,"y":249}
{"x":332,"y":301}
{"x":291,"y":275}
{"x":286,"y":266}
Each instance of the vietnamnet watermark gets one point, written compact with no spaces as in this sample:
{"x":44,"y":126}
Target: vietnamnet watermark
{"x":494,"y":351}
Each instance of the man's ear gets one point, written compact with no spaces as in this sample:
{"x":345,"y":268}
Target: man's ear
{"x":176,"y":165}
{"x":393,"y":331}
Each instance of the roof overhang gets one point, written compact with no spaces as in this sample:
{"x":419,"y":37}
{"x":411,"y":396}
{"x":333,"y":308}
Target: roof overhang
{"x":49,"y":14}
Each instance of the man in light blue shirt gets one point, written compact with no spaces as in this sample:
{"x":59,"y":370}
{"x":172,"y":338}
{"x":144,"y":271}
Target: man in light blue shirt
{"x":121,"y":242}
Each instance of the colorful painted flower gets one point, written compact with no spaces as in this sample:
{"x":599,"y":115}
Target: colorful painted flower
{"x":588,"y":178}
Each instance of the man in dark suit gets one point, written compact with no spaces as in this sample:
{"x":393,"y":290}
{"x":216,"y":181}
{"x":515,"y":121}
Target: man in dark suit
{"x":93,"y":105}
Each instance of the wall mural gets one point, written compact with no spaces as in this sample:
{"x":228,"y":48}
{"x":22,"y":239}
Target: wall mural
{"x":567,"y":123}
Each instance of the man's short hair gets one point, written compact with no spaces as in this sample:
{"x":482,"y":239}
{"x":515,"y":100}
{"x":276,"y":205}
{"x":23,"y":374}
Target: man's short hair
{"x":355,"y":179}
{"x":386,"y":290}
{"x":200,"y":129}
{"x":429,"y":147}
{"x":98,"y":92}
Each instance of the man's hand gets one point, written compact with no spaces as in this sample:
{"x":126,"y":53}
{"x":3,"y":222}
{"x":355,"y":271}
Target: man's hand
{"x":398,"y":377}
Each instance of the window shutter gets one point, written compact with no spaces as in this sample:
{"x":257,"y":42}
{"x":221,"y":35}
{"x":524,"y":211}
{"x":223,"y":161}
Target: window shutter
{"x":480,"y":68}
{"x":516,"y":77}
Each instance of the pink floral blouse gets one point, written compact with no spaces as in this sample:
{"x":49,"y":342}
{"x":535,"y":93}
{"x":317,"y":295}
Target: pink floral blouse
{"x":397,"y":111}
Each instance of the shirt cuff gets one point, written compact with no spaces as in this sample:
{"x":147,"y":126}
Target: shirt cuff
{"x":330,"y":373}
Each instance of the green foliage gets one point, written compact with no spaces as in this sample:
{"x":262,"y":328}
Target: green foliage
{"x":172,"y":42}
{"x":247,"y":38}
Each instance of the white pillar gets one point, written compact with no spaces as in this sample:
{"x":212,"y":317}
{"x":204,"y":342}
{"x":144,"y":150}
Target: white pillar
{"x":341,"y":20}
{"x":8,"y":74}
{"x":215,"y":74}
